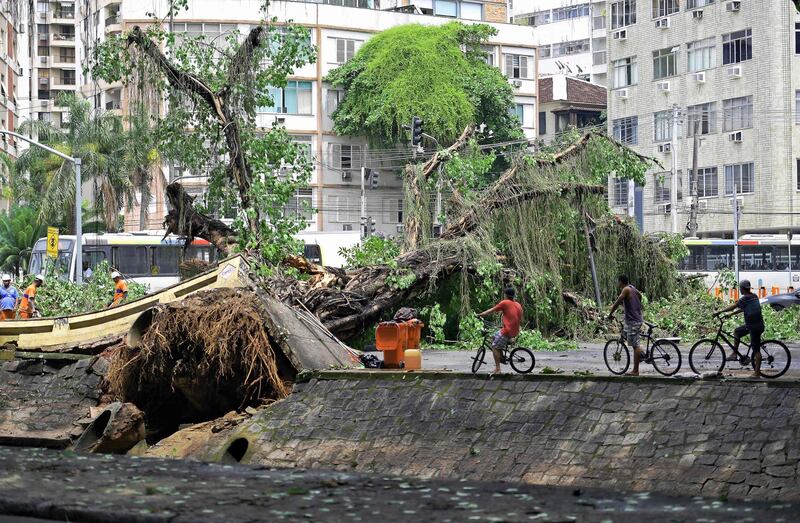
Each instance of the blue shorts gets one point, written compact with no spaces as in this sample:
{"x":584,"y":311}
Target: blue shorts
{"x":500,"y":341}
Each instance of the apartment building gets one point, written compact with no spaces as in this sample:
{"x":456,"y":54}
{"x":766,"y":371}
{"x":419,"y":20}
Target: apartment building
{"x":10,"y":23}
{"x":726,"y":72}
{"x":52,"y":66}
{"x":98,"y":19}
{"x":305,"y":105}
{"x":570,"y":34}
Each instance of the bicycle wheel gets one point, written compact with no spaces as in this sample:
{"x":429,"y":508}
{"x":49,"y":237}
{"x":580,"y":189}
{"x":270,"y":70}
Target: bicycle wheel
{"x":478,"y":360}
{"x":706,"y":356}
{"x":666,"y":357}
{"x":522,"y":360}
{"x":617,"y":357}
{"x":775,"y":359}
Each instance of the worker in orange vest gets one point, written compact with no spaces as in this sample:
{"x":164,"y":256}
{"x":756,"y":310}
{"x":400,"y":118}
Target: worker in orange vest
{"x":27,"y":305}
{"x":120,"y":289}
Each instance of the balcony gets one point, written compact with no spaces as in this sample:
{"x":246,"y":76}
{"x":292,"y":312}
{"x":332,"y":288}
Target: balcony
{"x":62,"y":62}
{"x":63,"y":16}
{"x":64,"y":83}
{"x":63,"y":39}
{"x":114,"y":23}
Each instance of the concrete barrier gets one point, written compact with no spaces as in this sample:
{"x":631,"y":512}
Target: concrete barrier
{"x":731,"y":439}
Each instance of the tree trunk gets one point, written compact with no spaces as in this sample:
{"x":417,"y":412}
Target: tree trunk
{"x":184,"y":220}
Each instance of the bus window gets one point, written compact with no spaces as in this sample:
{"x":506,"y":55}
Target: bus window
{"x":694,"y":261}
{"x":132,"y":261}
{"x":719,"y":257}
{"x":198,"y":252}
{"x":165,"y":260}
{"x":782,"y":258}
{"x":94,"y":258}
{"x":755,"y":258}
{"x":313,"y":253}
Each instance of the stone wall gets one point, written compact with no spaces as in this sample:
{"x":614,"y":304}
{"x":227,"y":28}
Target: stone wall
{"x":47,"y":404}
{"x":731,"y":439}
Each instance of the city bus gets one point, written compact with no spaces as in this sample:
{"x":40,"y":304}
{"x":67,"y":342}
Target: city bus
{"x":763,"y":259}
{"x":145,"y":257}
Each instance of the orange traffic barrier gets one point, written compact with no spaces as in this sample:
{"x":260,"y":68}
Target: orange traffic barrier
{"x":734,"y":294}
{"x":762,"y":292}
{"x":776,"y":290}
{"x":717,"y":292}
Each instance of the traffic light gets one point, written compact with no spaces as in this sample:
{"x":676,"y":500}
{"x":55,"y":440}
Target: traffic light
{"x":416,"y":131}
{"x":371,"y":221}
{"x":374,"y":177}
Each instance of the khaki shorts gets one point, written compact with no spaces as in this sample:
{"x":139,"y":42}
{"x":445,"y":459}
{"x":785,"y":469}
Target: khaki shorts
{"x":632,"y":332}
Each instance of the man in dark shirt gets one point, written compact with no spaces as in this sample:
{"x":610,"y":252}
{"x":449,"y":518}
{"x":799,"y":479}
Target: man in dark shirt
{"x":631,"y":300}
{"x":750,"y":305}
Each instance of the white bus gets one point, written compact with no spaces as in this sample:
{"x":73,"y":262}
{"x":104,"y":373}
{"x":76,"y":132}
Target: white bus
{"x":763,"y":259}
{"x":142,"y":257}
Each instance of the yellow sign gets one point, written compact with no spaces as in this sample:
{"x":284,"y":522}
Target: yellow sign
{"x":52,"y":242}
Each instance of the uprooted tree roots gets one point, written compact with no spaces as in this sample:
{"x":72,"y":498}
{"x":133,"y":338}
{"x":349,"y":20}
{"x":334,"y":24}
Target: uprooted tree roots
{"x":200,"y":358}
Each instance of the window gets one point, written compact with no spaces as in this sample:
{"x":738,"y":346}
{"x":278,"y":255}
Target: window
{"x":626,"y":72}
{"x":392,"y":210}
{"x":542,"y":122}
{"x":556,"y":15}
{"x":519,"y":111}
{"x":797,"y":38}
{"x":94,"y":258}
{"x":569,"y":48}
{"x":694,"y":4}
{"x":663,"y":187}
{"x":598,"y":20}
{"x":701,"y":118}
{"x":665,"y":63}
{"x":300,"y":205}
{"x":702,"y":55}
{"x":756,"y":258}
{"x":343,"y":209}
{"x":304,"y":142}
{"x":295,"y":98}
{"x":796,"y":107}
{"x":446,"y":8}
{"x":620,"y":191}
{"x":42,"y":6}
{"x":782,"y":258}
{"x":707,"y":182}
{"x":743,"y":175}
{"x":623,"y":13}
{"x":345,"y":49}
{"x":738,"y":113}
{"x":488,"y":55}
{"x":346,"y":157}
{"x":68,"y":77}
{"x":516,"y":66}
{"x":626,"y":130}
{"x":665,"y":8}
{"x":67,"y":55}
{"x":662,"y":125}
{"x":545,"y":51}
{"x":333,"y":98}
{"x":471,"y":11}
{"x":737,"y":47}
{"x":132,"y":261}
{"x":165,"y":260}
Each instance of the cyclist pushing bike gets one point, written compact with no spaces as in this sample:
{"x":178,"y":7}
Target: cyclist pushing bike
{"x":512,"y":318}
{"x":750,"y":305}
{"x":631,"y":300}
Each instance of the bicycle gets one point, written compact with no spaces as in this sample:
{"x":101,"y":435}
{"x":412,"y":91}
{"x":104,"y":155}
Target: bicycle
{"x":707,"y":355}
{"x":664,"y":354}
{"x":521,"y":359}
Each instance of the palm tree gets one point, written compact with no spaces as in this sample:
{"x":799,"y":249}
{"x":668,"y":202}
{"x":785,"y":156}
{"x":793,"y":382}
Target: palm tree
{"x":19,"y":231}
{"x":141,"y":157}
{"x":99,"y":140}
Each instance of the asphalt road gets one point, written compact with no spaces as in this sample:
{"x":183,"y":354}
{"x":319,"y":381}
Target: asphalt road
{"x":588,"y":358}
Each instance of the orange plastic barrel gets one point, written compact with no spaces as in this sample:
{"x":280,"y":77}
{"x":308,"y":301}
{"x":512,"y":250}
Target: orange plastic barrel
{"x":414,"y":328}
{"x":391,"y":338}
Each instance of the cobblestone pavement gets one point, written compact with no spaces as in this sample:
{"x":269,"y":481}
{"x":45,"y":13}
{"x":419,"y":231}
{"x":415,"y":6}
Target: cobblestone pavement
{"x":589,"y":357}
{"x":98,"y":489}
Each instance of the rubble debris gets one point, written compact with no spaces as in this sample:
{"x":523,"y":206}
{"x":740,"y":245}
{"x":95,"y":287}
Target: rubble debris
{"x":116,"y":430}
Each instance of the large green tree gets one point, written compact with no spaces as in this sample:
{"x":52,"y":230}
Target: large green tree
{"x":19,"y":230}
{"x":438,"y":73}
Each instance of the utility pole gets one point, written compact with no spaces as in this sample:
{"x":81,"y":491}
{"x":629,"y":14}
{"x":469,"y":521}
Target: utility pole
{"x":736,"y":229}
{"x":363,"y":205}
{"x":693,"y":183}
{"x":673,"y":191}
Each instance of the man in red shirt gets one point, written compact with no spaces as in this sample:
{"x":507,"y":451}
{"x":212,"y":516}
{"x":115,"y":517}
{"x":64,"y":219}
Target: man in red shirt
{"x":512,"y":317}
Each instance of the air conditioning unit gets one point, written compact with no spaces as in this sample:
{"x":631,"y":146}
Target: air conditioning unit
{"x":740,"y":199}
{"x":702,"y":205}
{"x":663,"y":87}
{"x":401,"y":228}
{"x":697,"y":15}
{"x":700,"y":77}
{"x":734,"y":71}
{"x":662,"y":23}
{"x":735,"y":137}
{"x":665,"y":148}
{"x":347,"y":176}
{"x":517,"y":83}
{"x":664,"y":208}
{"x":621,"y":93}
{"x":347,"y":227}
{"x":622,"y":34}
{"x":22,"y":29}
{"x":733,"y":7}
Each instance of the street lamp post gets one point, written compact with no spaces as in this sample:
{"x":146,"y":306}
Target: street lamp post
{"x":78,"y":209}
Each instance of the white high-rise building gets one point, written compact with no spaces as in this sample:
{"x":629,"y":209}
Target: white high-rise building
{"x":571,"y":35}
{"x":727,"y":71}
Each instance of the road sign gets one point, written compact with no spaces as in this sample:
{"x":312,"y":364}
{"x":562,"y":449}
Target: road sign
{"x":52,"y":242}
